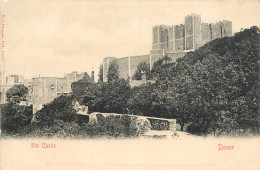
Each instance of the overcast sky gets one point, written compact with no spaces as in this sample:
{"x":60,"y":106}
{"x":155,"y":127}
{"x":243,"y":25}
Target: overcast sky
{"x":53,"y":37}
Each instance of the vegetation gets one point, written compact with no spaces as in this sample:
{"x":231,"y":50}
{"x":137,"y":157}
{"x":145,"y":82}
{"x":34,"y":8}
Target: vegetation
{"x":112,"y":73}
{"x":17,"y":93}
{"x":14,"y":117}
{"x":100,"y":74}
{"x":212,"y":90}
{"x":142,"y":68}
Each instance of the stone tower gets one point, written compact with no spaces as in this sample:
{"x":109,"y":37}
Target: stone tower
{"x":160,"y":37}
{"x":193,"y":37}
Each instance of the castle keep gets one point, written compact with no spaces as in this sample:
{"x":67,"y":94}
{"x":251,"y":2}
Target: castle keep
{"x":174,"y":41}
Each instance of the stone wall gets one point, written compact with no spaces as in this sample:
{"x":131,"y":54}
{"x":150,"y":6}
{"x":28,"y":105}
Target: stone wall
{"x":44,"y":91}
{"x":206,"y":33}
{"x":136,"y":60}
{"x":197,"y":32}
{"x":106,"y":62}
{"x":175,"y":41}
{"x":123,"y":67}
{"x":175,"y":56}
{"x":141,"y":122}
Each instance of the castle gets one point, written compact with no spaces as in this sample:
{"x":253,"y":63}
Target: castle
{"x":42,"y":90}
{"x":174,"y":41}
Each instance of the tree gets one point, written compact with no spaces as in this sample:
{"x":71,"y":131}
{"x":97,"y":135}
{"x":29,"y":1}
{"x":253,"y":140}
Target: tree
{"x":17,"y":93}
{"x":221,"y":80}
{"x":100,"y":74}
{"x":15,"y":117}
{"x":112,"y":73}
{"x":142,"y":67}
{"x":163,"y":69}
{"x":110,"y":97}
{"x":60,"y":109}
{"x":80,"y":87}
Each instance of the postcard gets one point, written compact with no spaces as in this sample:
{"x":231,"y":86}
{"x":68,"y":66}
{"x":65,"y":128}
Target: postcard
{"x":129,"y":84}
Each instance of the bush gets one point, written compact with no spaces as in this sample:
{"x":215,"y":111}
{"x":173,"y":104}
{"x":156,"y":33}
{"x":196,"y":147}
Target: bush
{"x":15,"y":117}
{"x":195,"y":129}
{"x":112,"y":126}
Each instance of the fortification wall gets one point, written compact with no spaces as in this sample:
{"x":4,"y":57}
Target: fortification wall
{"x":155,"y":55}
{"x":175,"y":56}
{"x":175,"y":40}
{"x":189,"y":25}
{"x":206,"y":33}
{"x":136,"y":60}
{"x":155,"y":38}
{"x":63,"y":85}
{"x":44,"y":91}
{"x":197,"y":32}
{"x":179,"y":31}
{"x":106,"y":62}
{"x":123,"y":67}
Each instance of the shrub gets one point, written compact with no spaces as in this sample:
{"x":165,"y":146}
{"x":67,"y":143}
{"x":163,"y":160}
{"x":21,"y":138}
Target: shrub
{"x":112,"y":126}
{"x":15,"y":117}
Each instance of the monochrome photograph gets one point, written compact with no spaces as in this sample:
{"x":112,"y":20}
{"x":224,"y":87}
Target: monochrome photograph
{"x":129,"y":84}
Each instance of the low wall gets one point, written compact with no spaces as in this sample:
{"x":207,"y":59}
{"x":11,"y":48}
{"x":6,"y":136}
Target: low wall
{"x":148,"y":123}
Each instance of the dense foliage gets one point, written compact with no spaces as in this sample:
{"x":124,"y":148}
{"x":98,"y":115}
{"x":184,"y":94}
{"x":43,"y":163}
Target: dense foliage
{"x":112,"y":126}
{"x":142,"y":68}
{"x":15,"y":117}
{"x":100,"y":73}
{"x":212,"y":90}
{"x":61,"y":109}
{"x":221,"y":80}
{"x":108,"y":97}
{"x":17,"y":93}
{"x":112,"y":73}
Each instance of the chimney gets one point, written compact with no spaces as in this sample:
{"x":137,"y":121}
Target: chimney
{"x":92,"y":76}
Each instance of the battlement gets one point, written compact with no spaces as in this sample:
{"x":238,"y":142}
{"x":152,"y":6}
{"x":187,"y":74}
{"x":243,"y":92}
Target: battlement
{"x":189,"y":36}
{"x":174,"y":41}
{"x":162,"y":25}
{"x":192,"y":15}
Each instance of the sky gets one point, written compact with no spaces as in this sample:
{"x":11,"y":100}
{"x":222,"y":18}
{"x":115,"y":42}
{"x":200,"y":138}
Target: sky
{"x":53,"y":37}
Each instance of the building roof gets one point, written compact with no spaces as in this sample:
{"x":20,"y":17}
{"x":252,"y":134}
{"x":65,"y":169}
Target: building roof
{"x":84,"y":78}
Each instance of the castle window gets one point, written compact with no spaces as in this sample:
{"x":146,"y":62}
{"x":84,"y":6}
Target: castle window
{"x":52,"y":87}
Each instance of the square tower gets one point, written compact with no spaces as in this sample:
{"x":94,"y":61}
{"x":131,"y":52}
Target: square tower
{"x":193,"y":37}
{"x":160,"y":37}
